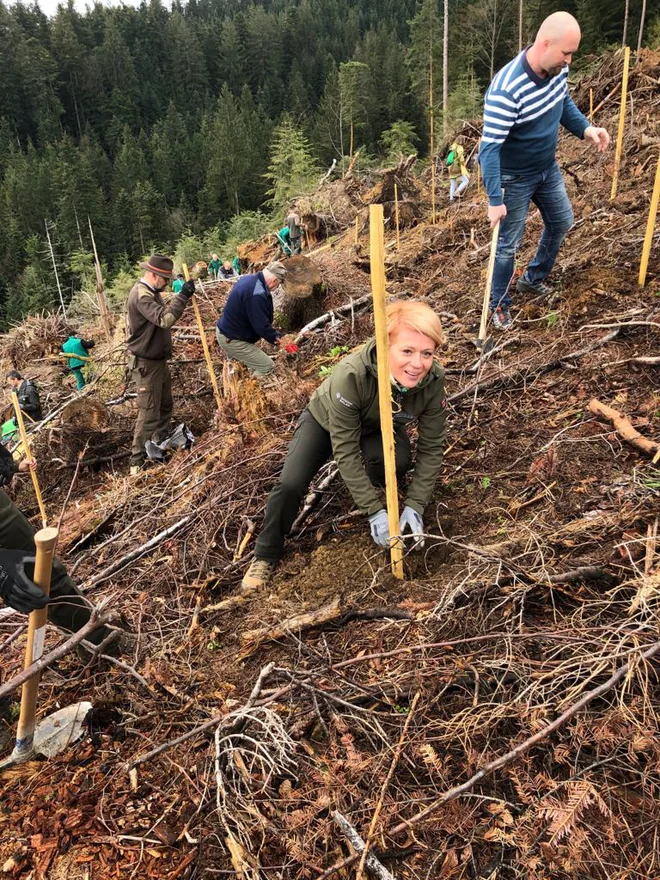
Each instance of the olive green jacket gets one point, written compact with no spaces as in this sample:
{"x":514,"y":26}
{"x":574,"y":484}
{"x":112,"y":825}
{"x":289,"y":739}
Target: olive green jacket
{"x":346,"y":405}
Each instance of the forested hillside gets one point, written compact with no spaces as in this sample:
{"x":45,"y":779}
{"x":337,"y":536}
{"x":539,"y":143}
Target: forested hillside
{"x":153,"y":122}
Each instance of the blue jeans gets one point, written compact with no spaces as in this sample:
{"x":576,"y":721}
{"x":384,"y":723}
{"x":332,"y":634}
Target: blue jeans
{"x":548,"y":192}
{"x":457,"y":185}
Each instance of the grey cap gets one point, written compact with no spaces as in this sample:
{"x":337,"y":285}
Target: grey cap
{"x":278,"y":269}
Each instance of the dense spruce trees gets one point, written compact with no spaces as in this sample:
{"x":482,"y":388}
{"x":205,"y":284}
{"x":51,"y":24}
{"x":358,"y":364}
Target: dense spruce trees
{"x":153,"y":122}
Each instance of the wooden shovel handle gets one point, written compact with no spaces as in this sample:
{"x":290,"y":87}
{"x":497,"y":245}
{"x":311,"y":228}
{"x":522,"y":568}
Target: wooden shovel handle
{"x":489,"y":282}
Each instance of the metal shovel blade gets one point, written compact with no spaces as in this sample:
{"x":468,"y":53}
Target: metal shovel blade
{"x":56,"y":732}
{"x":53,"y":734}
{"x":485,"y":345}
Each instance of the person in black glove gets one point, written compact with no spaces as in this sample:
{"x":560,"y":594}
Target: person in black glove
{"x":188,"y":288}
{"x":67,"y":608}
{"x":150,"y":320}
{"x":16,"y":588}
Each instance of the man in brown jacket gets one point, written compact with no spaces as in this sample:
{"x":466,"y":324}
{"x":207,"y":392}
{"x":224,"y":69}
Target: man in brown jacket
{"x":150,"y":320}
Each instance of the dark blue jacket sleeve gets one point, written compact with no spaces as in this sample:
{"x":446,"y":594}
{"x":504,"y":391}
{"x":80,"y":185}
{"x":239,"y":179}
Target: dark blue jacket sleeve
{"x":572,"y":119}
{"x":257,"y":307}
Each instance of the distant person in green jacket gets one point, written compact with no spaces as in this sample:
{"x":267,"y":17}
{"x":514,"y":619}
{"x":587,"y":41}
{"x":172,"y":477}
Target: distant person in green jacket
{"x":284,"y":241}
{"x":79,"y":349}
{"x":236,"y":263}
{"x":178,"y":283}
{"x":214,"y":267}
{"x":342,"y":421}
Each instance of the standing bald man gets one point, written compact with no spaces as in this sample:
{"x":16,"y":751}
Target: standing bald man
{"x":524,"y":106}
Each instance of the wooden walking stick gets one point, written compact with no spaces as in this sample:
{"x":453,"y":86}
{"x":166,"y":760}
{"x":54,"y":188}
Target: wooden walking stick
{"x":377,"y":259}
{"x":29,"y":456}
{"x":622,"y":121}
{"x":650,"y":226}
{"x":481,"y":340}
{"x":205,"y":345}
{"x":45,"y":541}
{"x":396,"y":215}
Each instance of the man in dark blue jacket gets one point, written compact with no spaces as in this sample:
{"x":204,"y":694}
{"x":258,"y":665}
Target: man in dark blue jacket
{"x":248,"y":317}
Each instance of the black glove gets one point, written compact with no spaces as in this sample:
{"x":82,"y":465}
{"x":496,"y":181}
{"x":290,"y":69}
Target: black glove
{"x":188,"y":288}
{"x":16,"y":588}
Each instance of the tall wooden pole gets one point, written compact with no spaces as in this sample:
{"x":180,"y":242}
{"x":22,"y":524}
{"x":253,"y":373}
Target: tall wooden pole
{"x":28,"y":454}
{"x":650,"y":227}
{"x":205,"y":345}
{"x":396,"y":215}
{"x":45,"y":541}
{"x":489,"y":285}
{"x":622,"y":122}
{"x":377,"y":260}
{"x":103,"y":306}
{"x":445,"y":69}
{"x":640,"y":34}
{"x":591,"y":106}
{"x":431,"y":126}
{"x":57,"y":277}
{"x":356,"y":228}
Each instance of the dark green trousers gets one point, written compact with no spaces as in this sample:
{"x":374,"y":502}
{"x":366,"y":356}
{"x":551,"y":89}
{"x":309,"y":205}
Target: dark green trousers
{"x":154,"y":399}
{"x":68,"y":610}
{"x":308,"y":451}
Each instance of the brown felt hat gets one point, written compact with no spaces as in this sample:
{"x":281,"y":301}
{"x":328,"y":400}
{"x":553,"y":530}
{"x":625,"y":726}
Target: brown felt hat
{"x":159,"y":265}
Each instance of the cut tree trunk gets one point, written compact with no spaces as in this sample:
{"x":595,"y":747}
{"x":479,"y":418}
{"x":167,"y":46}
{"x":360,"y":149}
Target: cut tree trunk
{"x":624,"y":428}
{"x":302,"y":299}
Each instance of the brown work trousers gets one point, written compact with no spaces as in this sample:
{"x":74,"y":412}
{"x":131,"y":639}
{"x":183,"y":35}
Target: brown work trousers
{"x":154,"y":399}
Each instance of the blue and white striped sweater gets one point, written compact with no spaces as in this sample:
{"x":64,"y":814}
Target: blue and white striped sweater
{"x":522,"y":115}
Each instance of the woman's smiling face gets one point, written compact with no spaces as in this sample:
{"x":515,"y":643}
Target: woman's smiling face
{"x":411,"y":356}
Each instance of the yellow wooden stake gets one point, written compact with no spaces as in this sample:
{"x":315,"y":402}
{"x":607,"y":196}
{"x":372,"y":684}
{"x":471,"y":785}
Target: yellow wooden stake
{"x":478,"y":178}
{"x":205,"y":345}
{"x":622,"y":121}
{"x":591,"y":106}
{"x":650,"y":227}
{"x":29,"y":456}
{"x":489,"y":285}
{"x":45,"y":541}
{"x":357,"y":220}
{"x":377,"y":259}
{"x":396,"y":215}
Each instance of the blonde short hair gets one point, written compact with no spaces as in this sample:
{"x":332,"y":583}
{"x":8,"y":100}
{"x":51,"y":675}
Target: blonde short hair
{"x":416,"y":315}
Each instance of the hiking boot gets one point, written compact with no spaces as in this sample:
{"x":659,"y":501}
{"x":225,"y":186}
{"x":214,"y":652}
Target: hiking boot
{"x":501,"y":318}
{"x":258,"y":574}
{"x":539,"y":288}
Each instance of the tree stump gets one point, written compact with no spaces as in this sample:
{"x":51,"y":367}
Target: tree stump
{"x":302,"y":294}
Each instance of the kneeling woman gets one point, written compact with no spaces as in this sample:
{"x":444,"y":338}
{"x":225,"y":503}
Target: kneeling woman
{"x":342,"y":421}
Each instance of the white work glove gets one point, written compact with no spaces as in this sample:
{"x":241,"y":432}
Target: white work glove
{"x":380,"y":529}
{"x":412,"y":520}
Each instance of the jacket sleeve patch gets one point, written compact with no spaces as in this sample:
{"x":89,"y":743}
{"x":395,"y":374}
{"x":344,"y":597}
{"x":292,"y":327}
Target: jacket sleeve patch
{"x":344,"y":401}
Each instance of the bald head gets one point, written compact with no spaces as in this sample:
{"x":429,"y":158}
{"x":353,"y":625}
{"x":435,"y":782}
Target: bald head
{"x":556,"y":41}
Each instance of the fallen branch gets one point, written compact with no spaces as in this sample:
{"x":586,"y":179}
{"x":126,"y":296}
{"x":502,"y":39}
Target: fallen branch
{"x":231,"y":723}
{"x":323,"y":319}
{"x":143,"y":549}
{"x":508,"y":758}
{"x":313,"y":498}
{"x":96,"y":620}
{"x":255,"y":637}
{"x":388,"y":779}
{"x":623,"y":427}
{"x":372,"y":864}
{"x":518,"y":376}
